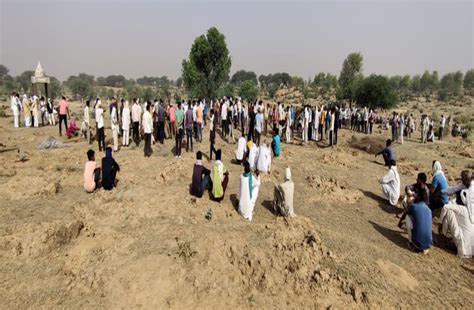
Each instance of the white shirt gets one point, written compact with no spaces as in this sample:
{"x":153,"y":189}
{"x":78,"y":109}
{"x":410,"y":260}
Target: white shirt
{"x":247,"y":204}
{"x":241,"y":148}
{"x":99,"y":117}
{"x":136,"y":112}
{"x":86,"y":115}
{"x":264,"y":161}
{"x":224,"y":111}
{"x":391,"y":185}
{"x":147,"y":122}
{"x":253,"y":155}
{"x":114,"y":119}
{"x":259,"y":122}
{"x":126,"y":118}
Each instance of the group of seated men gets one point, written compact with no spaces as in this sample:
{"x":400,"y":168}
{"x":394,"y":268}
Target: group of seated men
{"x":422,"y":199}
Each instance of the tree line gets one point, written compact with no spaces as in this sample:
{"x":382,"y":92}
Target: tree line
{"x":206,"y":74}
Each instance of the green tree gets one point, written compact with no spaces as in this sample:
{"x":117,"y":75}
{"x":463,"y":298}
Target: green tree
{"x":242,"y":75}
{"x":375,"y":91}
{"x":87,"y":77}
{"x":415,"y":84}
{"x":3,"y":72}
{"x":179,"y":82}
{"x":469,"y":80}
{"x":248,"y":90}
{"x":208,"y":66}
{"x":350,"y":76}
{"x":24,"y":81}
{"x":80,"y":88}
{"x":297,"y":82}
{"x":54,"y":87}
{"x":451,"y":85}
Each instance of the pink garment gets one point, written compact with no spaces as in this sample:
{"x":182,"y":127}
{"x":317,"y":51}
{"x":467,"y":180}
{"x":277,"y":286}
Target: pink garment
{"x":89,"y":182}
{"x":63,"y":107}
{"x":71,"y":129}
{"x":172,"y":114}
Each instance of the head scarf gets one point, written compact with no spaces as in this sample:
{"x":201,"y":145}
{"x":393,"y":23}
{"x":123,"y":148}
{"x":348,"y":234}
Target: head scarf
{"x":437,"y":169}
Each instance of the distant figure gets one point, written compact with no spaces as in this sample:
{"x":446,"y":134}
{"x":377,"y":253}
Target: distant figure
{"x":15,"y":105}
{"x":109,"y":170}
{"x":241,"y":149}
{"x":418,"y":224}
{"x":99,"y":118}
{"x":91,"y":173}
{"x":219,"y":178}
{"x":276,"y":145}
{"x":387,"y":153}
{"x":201,"y":179}
{"x":71,"y":129}
{"x":391,"y":184}
{"x":212,"y":134}
{"x":442,"y":124}
{"x":179,"y":119}
{"x":87,"y":126}
{"x":457,"y":217}
{"x":147,"y":124}
{"x":249,"y":186}
{"x":253,"y":155}
{"x":114,"y":123}
{"x":63,"y":114}
{"x":125,"y":124}
{"x":26,"y":111}
{"x":136,"y":118}
{"x":283,"y":196}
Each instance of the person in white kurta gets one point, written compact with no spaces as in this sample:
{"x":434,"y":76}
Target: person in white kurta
{"x":15,"y":106}
{"x":391,"y":184}
{"x":114,"y":125}
{"x":457,"y":218}
{"x":249,"y":186}
{"x":125,"y":124}
{"x":264,"y":161}
{"x":253,"y":156}
{"x":35,"y":109}
{"x":241,"y":149}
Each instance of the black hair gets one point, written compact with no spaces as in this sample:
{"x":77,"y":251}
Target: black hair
{"x":88,"y":103}
{"x":90,"y":154}
{"x":64,"y":98}
{"x":393,"y":162}
{"x":246,"y":167}
{"x":199,"y":155}
{"x":422,"y":176}
{"x":421,"y":196}
{"x":388,"y":142}
{"x":218,"y":154}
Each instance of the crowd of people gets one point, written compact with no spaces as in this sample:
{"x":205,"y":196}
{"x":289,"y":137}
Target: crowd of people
{"x":154,"y":122}
{"x":423,"y":199}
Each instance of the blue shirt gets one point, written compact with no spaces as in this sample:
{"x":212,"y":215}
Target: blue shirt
{"x":439,"y":184}
{"x":421,"y":234}
{"x":276,"y":145}
{"x":389,"y":152}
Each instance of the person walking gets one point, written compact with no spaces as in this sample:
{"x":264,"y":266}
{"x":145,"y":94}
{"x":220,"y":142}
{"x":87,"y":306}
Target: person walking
{"x":63,"y":114}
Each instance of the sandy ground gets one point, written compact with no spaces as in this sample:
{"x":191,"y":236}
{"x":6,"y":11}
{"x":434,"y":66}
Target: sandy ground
{"x":147,"y":243}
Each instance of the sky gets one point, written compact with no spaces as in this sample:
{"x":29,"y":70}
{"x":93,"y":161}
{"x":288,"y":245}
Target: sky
{"x":144,"y":37}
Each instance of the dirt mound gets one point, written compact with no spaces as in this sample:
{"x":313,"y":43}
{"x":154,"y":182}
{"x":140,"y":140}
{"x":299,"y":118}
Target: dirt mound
{"x":371,"y":145}
{"x":35,"y":240}
{"x":397,"y":275}
{"x":331,"y":189}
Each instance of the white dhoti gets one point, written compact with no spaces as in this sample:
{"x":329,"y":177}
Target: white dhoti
{"x":456,"y":224}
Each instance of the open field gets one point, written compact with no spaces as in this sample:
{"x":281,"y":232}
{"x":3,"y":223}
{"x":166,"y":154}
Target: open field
{"x":147,"y":244}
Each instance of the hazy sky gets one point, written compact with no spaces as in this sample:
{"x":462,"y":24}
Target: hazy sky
{"x":137,"y":38}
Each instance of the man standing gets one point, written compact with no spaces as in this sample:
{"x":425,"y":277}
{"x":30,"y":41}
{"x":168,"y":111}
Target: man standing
{"x":160,"y":114}
{"x":179,"y":120}
{"x":99,"y":118}
{"x":87,"y":122}
{"x":442,"y":124}
{"x":258,"y":126}
{"x":114,"y":123}
{"x":189,"y":123}
{"x":224,"y":117}
{"x":148,"y":130}
{"x":16,"y":108}
{"x":136,"y":117}
{"x":63,"y":113}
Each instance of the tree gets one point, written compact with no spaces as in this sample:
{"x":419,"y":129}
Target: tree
{"x":429,"y":82}
{"x":80,"y":88}
{"x":297,"y":82}
{"x":451,"y":85}
{"x":208,"y":66}
{"x":375,"y":91}
{"x":3,"y":72}
{"x":87,"y":77}
{"x":242,"y":75}
{"x":179,"y":82}
{"x":24,"y":80}
{"x":415,"y":84}
{"x":350,"y":76}
{"x":469,"y":80}
{"x":54,"y":87}
{"x":248,"y":90}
